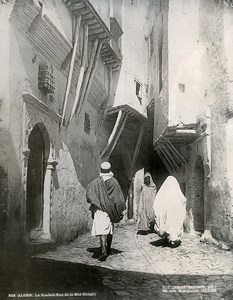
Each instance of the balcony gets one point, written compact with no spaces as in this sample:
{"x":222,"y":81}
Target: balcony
{"x":110,"y":53}
{"x":96,"y":26}
{"x":170,"y":145}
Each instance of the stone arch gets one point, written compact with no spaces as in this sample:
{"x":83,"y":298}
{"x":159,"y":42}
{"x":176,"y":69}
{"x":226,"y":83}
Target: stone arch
{"x":198,"y":195}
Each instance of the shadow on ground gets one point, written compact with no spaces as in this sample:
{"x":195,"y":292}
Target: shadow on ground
{"x":97,"y":251}
{"x":41,"y":276}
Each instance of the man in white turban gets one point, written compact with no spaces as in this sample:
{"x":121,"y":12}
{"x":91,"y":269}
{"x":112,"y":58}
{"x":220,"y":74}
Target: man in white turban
{"x":107,"y":206}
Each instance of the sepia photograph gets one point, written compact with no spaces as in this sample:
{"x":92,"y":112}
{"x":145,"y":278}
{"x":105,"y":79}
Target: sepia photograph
{"x":116,"y":157}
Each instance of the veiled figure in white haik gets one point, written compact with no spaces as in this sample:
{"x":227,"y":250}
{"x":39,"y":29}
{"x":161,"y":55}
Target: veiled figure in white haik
{"x":170,"y":210}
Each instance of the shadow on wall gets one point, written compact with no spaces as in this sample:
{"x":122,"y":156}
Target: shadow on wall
{"x":149,"y":159}
{"x":118,"y":168}
{"x":11,"y":195}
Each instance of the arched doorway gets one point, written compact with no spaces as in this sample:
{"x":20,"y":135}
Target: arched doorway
{"x":198,"y":195}
{"x":38,"y":144}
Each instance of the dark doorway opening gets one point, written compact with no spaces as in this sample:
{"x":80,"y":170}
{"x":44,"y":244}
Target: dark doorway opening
{"x":35,"y":180}
{"x":118,"y":169}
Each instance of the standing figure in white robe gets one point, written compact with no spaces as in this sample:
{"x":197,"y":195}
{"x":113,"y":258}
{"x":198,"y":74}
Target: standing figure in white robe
{"x":145,"y":209}
{"x":170,"y":211}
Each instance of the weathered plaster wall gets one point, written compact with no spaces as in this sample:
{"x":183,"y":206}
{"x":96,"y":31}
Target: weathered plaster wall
{"x":187,"y":81}
{"x":158,"y":39}
{"x":4,"y":115}
{"x":200,"y":59}
{"x":75,"y":150}
{"x":135,"y":54}
{"x":212,"y":34}
{"x":103,"y":9}
{"x":198,"y":162}
{"x":9,"y":158}
{"x":214,"y":37}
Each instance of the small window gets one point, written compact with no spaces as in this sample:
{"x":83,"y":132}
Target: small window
{"x":138,"y":90}
{"x":46,"y":79}
{"x":182,"y":87}
{"x":87,"y":124}
{"x":134,"y":2}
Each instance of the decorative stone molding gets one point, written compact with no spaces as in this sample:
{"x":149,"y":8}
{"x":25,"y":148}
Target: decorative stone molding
{"x":41,"y":106}
{"x":51,"y":165}
{"x":26,"y":153}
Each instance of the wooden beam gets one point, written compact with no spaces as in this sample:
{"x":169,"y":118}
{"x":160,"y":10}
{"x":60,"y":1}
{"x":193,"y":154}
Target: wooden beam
{"x":95,"y":31}
{"x":89,"y":21}
{"x":115,"y":140}
{"x":164,"y":161}
{"x":176,"y":152}
{"x":103,"y":116}
{"x":91,"y":75}
{"x":169,"y":159}
{"x":69,"y":80}
{"x":87,"y":77}
{"x":87,"y":16}
{"x":186,"y":132}
{"x":81,"y":11}
{"x":81,"y":73}
{"x":116,"y":132}
{"x":95,"y":26}
{"x":99,"y":35}
{"x":67,"y":60}
{"x":76,"y":6}
{"x":106,"y":54}
{"x":170,"y":154}
{"x":137,"y":149}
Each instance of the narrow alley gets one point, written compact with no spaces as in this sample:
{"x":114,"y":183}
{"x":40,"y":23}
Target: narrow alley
{"x":116,"y":113}
{"x":136,"y":269}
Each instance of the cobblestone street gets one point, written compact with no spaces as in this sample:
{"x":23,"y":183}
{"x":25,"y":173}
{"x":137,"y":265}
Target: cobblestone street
{"x":137,"y":269}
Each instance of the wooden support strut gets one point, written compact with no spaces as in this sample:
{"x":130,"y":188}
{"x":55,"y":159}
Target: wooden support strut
{"x":87,"y":75}
{"x":116,"y":132}
{"x":137,"y":148}
{"x":81,"y":73}
{"x":90,"y":74}
{"x":105,"y":110}
{"x":175,"y":151}
{"x":164,"y":161}
{"x":69,"y":80}
{"x":172,"y":162}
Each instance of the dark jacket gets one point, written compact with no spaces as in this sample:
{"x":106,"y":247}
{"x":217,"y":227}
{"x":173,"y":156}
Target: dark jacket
{"x":107,"y":196}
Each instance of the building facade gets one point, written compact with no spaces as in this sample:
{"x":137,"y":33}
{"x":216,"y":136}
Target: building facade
{"x":192,"y":66}
{"x":64,"y":109}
